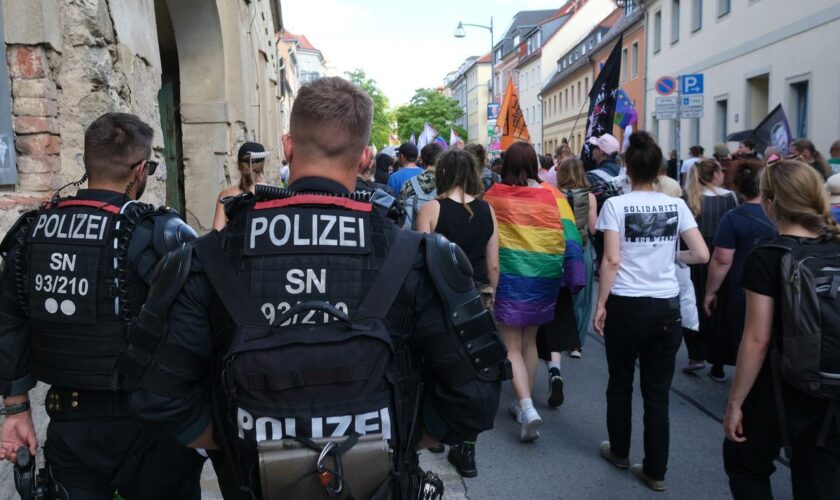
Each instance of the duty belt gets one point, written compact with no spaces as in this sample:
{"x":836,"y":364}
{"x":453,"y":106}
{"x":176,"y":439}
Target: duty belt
{"x":73,"y":404}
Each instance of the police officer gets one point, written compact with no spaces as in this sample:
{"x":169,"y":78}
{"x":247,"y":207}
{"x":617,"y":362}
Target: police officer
{"x":75,"y":273}
{"x":321,"y":242}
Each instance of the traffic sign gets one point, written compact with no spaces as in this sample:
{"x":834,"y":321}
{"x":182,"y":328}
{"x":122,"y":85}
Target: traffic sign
{"x":691,"y":112}
{"x":665,"y":115}
{"x":692,"y":100}
{"x":666,"y":85}
{"x":666,"y":102}
{"x":691,"y":84}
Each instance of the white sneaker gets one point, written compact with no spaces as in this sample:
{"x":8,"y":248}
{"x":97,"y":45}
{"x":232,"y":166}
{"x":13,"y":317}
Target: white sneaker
{"x":516,"y":412}
{"x":529,"y":429}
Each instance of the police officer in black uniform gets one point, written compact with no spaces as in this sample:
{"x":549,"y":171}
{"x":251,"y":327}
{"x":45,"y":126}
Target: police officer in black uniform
{"x":320,"y":241}
{"x":74,"y":275}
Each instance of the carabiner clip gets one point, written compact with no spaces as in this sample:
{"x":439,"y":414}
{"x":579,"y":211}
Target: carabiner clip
{"x":325,"y":475}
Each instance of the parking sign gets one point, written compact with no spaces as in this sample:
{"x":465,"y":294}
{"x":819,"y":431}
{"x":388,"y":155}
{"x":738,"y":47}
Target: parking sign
{"x":691,"y":84}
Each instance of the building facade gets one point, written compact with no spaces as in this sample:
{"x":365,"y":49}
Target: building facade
{"x":311,"y":64}
{"x":455,"y":85}
{"x":287,"y":65}
{"x":754,"y":55}
{"x":478,"y":77}
{"x":203,"y":73}
{"x":507,"y":49}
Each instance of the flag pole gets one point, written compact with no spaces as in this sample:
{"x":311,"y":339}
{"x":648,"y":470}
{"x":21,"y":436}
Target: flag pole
{"x":574,"y":125}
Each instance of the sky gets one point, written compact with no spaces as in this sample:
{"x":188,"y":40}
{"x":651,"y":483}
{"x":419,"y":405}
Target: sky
{"x":403,"y":45}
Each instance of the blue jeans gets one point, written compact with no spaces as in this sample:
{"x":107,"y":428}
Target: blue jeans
{"x":649,"y":330}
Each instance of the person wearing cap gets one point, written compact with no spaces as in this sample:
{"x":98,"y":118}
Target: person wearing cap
{"x":833,"y":187}
{"x":407,"y":156}
{"x":605,"y":153}
{"x":723,"y":156}
{"x":250,"y":174}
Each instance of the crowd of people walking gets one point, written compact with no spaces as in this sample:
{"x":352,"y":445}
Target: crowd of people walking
{"x":673,"y":261}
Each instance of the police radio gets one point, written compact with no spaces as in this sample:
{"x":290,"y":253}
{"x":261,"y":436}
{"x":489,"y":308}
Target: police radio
{"x":29,"y":484}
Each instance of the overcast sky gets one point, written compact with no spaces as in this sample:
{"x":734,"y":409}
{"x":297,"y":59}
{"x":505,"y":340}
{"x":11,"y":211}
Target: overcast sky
{"x":403,"y":45}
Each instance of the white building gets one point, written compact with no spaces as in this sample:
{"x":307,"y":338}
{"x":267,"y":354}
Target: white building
{"x":311,"y":62}
{"x":754,"y":54}
{"x":455,"y":86}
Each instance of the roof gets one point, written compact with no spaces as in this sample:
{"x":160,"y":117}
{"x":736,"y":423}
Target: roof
{"x":486,"y":58}
{"x":523,"y":21}
{"x":616,"y":22}
{"x":549,"y":28}
{"x":300,"y":39}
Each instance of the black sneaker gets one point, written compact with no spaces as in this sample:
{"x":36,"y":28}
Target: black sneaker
{"x":555,"y":388}
{"x":463,"y":458}
{"x":438,"y":448}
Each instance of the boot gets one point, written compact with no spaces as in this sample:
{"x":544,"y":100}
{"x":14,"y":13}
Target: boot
{"x":462,"y":456}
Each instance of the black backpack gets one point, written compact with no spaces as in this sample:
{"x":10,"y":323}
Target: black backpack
{"x":335,"y":379}
{"x":809,"y":344}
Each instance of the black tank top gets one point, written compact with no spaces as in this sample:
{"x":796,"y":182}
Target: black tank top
{"x":470,"y":234}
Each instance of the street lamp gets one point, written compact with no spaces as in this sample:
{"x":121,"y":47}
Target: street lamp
{"x":460,"y":33}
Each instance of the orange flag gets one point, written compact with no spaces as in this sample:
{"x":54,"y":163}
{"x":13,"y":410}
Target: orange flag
{"x":511,"y":121}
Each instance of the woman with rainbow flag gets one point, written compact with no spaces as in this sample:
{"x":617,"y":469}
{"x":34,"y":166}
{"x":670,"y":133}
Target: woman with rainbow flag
{"x":539,"y":253}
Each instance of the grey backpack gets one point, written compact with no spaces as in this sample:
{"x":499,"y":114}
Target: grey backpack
{"x":415,"y":202}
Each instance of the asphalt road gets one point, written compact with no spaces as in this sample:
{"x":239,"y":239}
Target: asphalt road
{"x":564,"y":462}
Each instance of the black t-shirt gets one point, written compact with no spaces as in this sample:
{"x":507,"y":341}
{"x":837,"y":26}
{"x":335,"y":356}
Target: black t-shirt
{"x":469,"y":233}
{"x":805,"y":414}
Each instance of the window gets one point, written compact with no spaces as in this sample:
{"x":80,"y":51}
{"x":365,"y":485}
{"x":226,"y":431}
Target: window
{"x":516,"y":42}
{"x":696,"y":15}
{"x":695,"y":131}
{"x":655,"y":128}
{"x":586,"y":84}
{"x":657,"y":32}
{"x":675,"y":21}
{"x":634,"y":58}
{"x":534,"y":113}
{"x":623,"y":64}
{"x":579,"y":95}
{"x":721,"y":120}
{"x":564,"y":64}
{"x":724,"y":6}
{"x":567,"y":98}
{"x":799,"y":105}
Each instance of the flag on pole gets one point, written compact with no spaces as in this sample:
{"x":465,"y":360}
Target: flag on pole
{"x":440,"y":141}
{"x":774,"y":130}
{"x":427,"y":136}
{"x":412,"y":139}
{"x":626,"y":142}
{"x":602,"y":97}
{"x":511,"y":121}
{"x":455,"y":139}
{"x":625,"y":112}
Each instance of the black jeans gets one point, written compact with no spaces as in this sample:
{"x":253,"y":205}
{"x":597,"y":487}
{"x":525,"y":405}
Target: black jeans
{"x":89,"y":460}
{"x":815,"y":470}
{"x":648,"y":329}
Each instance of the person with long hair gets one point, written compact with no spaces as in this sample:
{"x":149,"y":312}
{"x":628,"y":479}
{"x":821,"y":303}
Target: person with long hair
{"x":384,"y":161}
{"x":738,"y":233}
{"x":708,"y":202}
{"x":807,"y":152}
{"x":638,"y":308}
{"x":465,"y":219}
{"x":571,"y":181}
{"x":793,"y":196}
{"x":250,"y":174}
{"x":539,"y":254}
{"x":547,"y":172}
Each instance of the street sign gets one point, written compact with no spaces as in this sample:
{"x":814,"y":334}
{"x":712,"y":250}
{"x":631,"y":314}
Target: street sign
{"x":666,"y":102}
{"x":665,"y":115}
{"x":691,"y":84}
{"x":691,"y":112}
{"x":692,"y":101}
{"x":666,"y":85}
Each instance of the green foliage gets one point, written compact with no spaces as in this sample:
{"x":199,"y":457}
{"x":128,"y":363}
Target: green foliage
{"x":382,"y":116}
{"x":428,"y":105}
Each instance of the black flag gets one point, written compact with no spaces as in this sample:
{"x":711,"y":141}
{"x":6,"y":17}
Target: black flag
{"x":602,"y":103}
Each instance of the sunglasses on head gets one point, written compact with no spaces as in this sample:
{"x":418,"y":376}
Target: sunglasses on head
{"x":151,"y":166}
{"x":774,"y":159}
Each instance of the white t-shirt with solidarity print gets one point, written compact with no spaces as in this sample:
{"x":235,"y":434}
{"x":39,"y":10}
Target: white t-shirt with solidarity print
{"x":647,"y":223}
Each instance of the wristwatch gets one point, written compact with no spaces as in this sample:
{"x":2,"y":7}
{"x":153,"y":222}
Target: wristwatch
{"x":15,"y":409}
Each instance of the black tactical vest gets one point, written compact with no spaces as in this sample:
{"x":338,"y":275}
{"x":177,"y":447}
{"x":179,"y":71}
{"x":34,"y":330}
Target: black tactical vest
{"x":75,"y":291}
{"x":311,"y":247}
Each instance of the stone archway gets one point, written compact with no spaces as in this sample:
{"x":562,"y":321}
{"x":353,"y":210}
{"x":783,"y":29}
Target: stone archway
{"x":203,"y":105}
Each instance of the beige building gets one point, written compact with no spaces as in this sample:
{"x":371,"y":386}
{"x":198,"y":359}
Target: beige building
{"x":754,"y":55}
{"x":477,"y":78}
{"x":287,"y":65}
{"x":203,"y":73}
{"x":562,"y":104}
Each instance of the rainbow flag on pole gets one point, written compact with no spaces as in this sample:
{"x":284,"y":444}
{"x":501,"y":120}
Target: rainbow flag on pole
{"x":625,"y":112}
{"x":540,"y":251}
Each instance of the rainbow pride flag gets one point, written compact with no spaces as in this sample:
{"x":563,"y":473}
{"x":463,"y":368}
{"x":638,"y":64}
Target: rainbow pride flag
{"x":540,"y":251}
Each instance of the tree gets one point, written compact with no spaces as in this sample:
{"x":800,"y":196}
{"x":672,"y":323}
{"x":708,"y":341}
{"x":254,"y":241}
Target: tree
{"x":382,"y":117}
{"x":428,"y":105}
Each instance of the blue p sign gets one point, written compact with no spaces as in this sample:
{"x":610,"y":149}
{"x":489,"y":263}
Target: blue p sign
{"x":691,"y":84}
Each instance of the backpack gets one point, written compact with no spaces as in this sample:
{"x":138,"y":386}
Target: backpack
{"x":288,"y":378}
{"x":809,"y":344}
{"x":579,"y":201}
{"x":415,"y":202}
